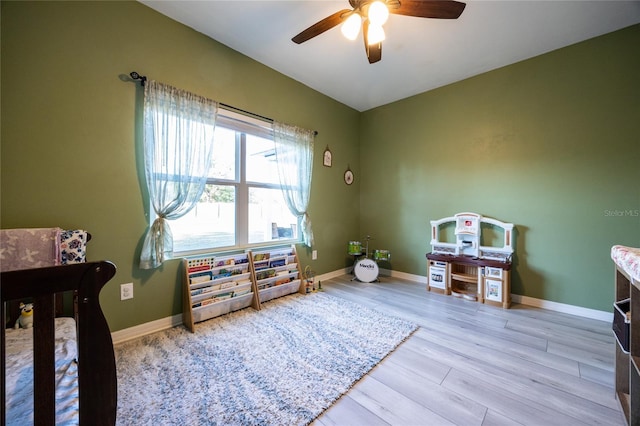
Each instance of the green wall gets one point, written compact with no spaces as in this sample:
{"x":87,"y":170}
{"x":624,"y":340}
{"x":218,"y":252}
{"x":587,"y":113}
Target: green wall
{"x":549,"y":144}
{"x":71,"y":133}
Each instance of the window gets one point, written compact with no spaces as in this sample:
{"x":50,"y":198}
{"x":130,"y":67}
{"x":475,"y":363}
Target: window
{"x":242,"y":204}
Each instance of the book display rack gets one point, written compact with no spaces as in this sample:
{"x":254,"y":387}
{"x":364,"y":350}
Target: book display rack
{"x":276,"y":273}
{"x":216,"y":284}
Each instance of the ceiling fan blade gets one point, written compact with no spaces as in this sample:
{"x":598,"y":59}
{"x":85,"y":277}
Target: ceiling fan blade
{"x":374,"y":52}
{"x":441,"y":9}
{"x":322,"y":26}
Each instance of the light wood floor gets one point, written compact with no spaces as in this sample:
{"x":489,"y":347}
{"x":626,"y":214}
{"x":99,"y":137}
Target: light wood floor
{"x":474,"y":364}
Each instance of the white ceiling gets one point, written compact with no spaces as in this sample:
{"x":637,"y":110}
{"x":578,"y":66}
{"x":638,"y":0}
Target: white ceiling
{"x":418,"y":55}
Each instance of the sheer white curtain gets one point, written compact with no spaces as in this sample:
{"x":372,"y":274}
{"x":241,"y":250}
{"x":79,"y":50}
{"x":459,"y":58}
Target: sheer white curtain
{"x":294,"y":156}
{"x":178,"y":150}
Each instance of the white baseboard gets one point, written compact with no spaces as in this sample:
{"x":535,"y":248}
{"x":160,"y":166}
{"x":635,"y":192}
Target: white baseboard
{"x":564,"y":308}
{"x":121,"y":336}
{"x":173,"y":321}
{"x":403,"y":275}
{"x":516,"y":298}
{"x":334,"y":274}
{"x":383,"y":273}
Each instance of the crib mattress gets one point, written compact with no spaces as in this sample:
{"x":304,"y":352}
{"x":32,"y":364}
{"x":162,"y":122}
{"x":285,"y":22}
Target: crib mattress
{"x":19,"y":374}
{"x":628,"y":260}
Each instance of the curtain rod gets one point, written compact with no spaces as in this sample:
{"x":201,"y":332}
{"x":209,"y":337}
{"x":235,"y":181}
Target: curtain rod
{"x":134,"y":75}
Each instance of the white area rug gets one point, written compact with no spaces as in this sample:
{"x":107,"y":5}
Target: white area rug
{"x":282,"y":365}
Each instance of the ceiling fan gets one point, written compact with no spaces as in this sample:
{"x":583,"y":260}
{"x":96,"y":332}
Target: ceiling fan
{"x":371,"y":15}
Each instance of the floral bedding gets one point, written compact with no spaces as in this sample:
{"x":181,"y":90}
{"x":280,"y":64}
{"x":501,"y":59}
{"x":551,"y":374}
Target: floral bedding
{"x":29,"y":248}
{"x":19,"y":374}
{"x":628,"y":260}
{"x":73,"y":246}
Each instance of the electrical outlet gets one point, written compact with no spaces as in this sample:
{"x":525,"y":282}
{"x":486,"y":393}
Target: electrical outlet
{"x":126,"y":291}
{"x":314,"y":255}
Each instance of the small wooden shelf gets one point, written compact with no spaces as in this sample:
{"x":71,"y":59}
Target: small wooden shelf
{"x":624,"y":400}
{"x":279,"y":290}
{"x":220,"y":308}
{"x":627,"y":360}
{"x":201,"y":295}
{"x":467,"y":278}
{"x":635,"y":363}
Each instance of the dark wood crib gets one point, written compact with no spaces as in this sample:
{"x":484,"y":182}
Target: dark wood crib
{"x":97,"y":385}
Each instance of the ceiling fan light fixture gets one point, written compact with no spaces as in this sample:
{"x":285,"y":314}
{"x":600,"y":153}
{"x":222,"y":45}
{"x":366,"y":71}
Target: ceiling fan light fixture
{"x":351,"y":27}
{"x":375,"y":34}
{"x":371,"y":15}
{"x":378,"y":13}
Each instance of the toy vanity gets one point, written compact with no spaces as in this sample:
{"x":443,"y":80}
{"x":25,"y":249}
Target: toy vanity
{"x":471,"y":258}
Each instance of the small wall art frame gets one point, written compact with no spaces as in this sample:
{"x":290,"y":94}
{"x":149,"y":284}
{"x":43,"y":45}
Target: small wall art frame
{"x":327,"y":157}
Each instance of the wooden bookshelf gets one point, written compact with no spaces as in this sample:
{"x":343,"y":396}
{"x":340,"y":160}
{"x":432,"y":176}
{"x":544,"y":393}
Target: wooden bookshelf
{"x":215,"y":285}
{"x":276,"y":272}
{"x":627,"y":357}
{"x":218,"y":283}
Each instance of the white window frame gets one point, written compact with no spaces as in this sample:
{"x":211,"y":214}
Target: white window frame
{"x":242,"y":125}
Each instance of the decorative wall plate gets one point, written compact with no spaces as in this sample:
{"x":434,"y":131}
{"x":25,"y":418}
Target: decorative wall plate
{"x":348,"y":176}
